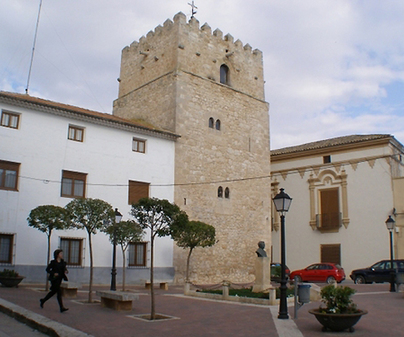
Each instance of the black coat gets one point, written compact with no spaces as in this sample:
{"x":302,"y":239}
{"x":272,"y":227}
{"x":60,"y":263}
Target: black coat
{"x":59,"y":268}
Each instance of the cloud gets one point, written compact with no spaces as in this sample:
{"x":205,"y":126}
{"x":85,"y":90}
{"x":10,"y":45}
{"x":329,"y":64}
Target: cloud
{"x":332,"y":68}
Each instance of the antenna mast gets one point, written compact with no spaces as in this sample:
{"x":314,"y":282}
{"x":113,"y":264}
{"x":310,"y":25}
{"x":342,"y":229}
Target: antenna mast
{"x":33,"y":46}
{"x":193,"y":8}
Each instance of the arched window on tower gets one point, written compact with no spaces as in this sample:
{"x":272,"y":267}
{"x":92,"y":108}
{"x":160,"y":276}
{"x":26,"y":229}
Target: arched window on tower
{"x":224,"y":74}
{"x":211,"y":122}
{"x":218,"y":124}
{"x":220,"y":192}
{"x":227,"y":193}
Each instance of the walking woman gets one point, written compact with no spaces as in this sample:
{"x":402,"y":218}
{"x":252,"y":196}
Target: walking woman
{"x":57,"y":272}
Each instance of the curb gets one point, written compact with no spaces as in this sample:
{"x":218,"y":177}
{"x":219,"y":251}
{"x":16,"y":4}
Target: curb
{"x":39,"y":322}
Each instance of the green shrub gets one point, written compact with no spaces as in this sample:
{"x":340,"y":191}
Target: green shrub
{"x":9,"y":273}
{"x":338,"y":300}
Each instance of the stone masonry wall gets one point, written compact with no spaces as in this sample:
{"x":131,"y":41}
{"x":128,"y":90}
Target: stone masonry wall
{"x":176,"y":87}
{"x":207,"y":158}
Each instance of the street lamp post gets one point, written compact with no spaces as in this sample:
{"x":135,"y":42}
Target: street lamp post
{"x":118,"y":218}
{"x":282,"y":203}
{"x":390,"y":224}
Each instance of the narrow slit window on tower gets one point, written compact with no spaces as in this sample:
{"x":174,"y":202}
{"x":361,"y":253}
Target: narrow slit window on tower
{"x":220,"y":192}
{"x":218,"y":124}
{"x":211,"y":122}
{"x":227,"y":193}
{"x":224,"y":74}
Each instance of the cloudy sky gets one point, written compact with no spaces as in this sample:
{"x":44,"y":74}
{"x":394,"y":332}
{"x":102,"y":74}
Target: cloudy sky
{"x":332,"y":67}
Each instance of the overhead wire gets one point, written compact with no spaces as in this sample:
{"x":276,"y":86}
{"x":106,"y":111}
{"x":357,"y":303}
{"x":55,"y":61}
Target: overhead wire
{"x":270,"y":176}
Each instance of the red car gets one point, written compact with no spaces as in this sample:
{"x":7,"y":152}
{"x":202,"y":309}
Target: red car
{"x":320,"y":272}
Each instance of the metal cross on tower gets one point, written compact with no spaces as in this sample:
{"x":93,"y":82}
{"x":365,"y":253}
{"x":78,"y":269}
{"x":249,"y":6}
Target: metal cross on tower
{"x":193,"y":8}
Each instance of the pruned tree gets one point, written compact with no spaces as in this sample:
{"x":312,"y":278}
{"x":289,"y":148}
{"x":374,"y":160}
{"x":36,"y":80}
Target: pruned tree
{"x":191,"y":235}
{"x":47,"y":218}
{"x":123,"y":234}
{"x":91,"y":215}
{"x":158,"y":216}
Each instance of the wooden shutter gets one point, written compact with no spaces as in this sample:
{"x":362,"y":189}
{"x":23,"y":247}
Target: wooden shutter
{"x":330,"y":209}
{"x":331,"y":253}
{"x":137,"y":190}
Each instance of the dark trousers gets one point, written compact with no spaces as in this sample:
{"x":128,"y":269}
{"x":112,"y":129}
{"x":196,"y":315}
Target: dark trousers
{"x":55,"y":289}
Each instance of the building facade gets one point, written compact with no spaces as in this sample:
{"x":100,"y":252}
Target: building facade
{"x":51,"y":153}
{"x":209,"y":89}
{"x":343,"y":191}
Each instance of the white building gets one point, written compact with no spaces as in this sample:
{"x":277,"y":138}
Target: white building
{"x":51,"y":153}
{"x":343,"y":191}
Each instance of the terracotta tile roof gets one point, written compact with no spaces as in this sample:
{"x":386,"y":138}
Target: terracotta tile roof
{"x":43,"y":104}
{"x":328,"y":143}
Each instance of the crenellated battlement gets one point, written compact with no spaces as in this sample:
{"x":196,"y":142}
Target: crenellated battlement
{"x":179,"y":45}
{"x":193,"y":26}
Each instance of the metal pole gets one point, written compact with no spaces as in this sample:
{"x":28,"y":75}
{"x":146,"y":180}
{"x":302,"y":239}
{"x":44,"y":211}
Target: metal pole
{"x":283,"y":305}
{"x":113,"y":272}
{"x":392,"y":278}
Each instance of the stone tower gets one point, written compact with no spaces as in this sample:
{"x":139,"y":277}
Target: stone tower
{"x":209,"y":90}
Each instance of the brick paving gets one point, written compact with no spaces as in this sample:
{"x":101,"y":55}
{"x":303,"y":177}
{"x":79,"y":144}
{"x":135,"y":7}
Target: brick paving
{"x":199,"y":318}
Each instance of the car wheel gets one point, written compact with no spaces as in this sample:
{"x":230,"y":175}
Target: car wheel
{"x":330,"y":279}
{"x":360,"y":279}
{"x":298,"y":279}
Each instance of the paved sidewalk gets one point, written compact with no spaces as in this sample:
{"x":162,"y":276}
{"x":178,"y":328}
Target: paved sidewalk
{"x":199,"y":317}
{"x":9,"y":327}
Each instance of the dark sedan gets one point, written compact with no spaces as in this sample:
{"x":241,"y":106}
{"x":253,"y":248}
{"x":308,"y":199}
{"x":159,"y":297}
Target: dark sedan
{"x":276,"y":272}
{"x":378,"y":272}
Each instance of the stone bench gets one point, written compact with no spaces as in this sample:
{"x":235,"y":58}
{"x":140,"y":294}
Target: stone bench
{"x":69,"y":289}
{"x":117,"y":300}
{"x":163,"y":284}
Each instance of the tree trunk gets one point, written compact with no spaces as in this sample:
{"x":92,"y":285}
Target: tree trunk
{"x":47,"y":262}
{"x":187,"y":271}
{"x":153,"y":310}
{"x":90,"y":287}
{"x":123,"y":268}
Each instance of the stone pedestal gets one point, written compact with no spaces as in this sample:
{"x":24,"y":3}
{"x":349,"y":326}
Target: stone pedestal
{"x":262,"y":274}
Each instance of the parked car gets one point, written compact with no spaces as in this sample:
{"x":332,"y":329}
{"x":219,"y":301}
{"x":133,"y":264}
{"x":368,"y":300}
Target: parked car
{"x":320,"y":272}
{"x":276,"y":272}
{"x":378,"y":272}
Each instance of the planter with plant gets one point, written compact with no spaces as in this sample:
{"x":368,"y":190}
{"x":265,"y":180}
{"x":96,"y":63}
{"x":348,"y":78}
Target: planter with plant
{"x":339,"y":312}
{"x":10,"y":278}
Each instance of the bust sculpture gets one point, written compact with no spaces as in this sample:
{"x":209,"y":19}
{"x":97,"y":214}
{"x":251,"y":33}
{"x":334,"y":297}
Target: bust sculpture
{"x":260,"y":251}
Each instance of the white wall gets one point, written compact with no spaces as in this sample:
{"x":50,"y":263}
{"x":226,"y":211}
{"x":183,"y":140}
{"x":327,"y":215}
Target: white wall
{"x":370,"y":201}
{"x":41,"y":146}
